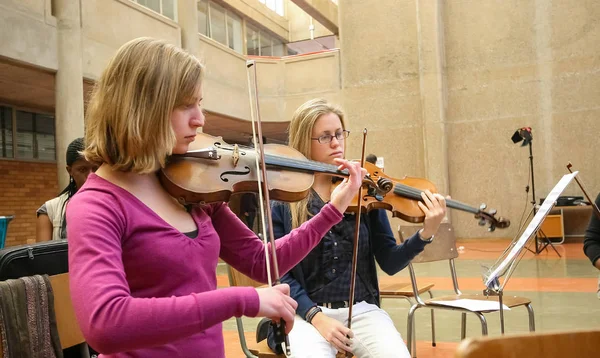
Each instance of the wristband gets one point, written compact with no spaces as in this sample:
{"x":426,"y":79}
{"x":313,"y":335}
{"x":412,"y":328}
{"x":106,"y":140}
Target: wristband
{"x":312,"y":313}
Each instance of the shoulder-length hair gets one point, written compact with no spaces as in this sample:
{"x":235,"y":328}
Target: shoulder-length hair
{"x":299,"y":138}
{"x":128,"y":122}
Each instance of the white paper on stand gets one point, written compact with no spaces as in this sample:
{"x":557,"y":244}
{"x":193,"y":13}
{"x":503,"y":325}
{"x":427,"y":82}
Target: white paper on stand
{"x":533,"y":226}
{"x":473,"y":305}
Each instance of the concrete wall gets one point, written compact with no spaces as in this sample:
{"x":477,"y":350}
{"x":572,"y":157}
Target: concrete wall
{"x":445,"y":93}
{"x":28,"y":32}
{"x":109,"y":24}
{"x":283,"y":84}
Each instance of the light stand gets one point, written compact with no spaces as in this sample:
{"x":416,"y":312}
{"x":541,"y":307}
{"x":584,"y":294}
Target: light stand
{"x":541,"y":240}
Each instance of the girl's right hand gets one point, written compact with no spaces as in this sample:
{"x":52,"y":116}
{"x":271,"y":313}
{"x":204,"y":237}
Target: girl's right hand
{"x":276,"y":303}
{"x":333,"y":331}
{"x":342,"y":195}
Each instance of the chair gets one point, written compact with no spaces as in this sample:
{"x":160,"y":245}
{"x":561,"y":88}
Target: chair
{"x":443,"y":247}
{"x":251,"y":350}
{"x":546,"y":345}
{"x":393,"y":288}
{"x":4,"y":221}
{"x":68,"y":329}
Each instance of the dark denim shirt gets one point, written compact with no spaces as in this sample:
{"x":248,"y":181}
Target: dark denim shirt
{"x":309,"y":279}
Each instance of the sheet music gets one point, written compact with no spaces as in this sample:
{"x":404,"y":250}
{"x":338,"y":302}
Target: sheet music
{"x":532,"y":227}
{"x":473,"y":305}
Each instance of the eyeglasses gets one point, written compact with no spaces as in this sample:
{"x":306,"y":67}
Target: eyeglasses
{"x":327,"y":138}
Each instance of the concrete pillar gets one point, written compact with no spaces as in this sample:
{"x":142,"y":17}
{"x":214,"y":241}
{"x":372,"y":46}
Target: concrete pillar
{"x":187,"y":17}
{"x":433,"y":90}
{"x":393,"y":83}
{"x":69,"y":81}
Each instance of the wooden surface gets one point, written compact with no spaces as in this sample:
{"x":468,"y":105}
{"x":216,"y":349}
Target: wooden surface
{"x":547,"y":345}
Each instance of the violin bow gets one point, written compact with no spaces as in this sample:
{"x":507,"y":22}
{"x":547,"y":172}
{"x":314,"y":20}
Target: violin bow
{"x":355,"y":247}
{"x":265,"y":207}
{"x":594,"y":206}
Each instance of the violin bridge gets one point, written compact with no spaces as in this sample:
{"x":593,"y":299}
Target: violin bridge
{"x":235,"y":156}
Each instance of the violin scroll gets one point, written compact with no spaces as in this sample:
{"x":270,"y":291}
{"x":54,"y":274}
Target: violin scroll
{"x":490,"y":219}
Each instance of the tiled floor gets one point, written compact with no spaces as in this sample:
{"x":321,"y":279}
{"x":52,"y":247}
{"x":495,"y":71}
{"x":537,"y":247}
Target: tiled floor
{"x":562,"y":291}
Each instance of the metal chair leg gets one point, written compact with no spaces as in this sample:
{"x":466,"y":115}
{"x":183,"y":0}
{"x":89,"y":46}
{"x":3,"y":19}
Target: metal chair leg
{"x":410,"y":331}
{"x":463,"y":326}
{"x":84,"y":350}
{"x":531,"y":317}
{"x":240,"y":327}
{"x":484,"y":329}
{"x":432,"y":324}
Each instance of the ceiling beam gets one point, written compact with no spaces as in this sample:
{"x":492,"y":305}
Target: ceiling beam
{"x":324,"y":11}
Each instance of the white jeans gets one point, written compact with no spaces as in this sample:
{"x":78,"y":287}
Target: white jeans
{"x":374,"y":334}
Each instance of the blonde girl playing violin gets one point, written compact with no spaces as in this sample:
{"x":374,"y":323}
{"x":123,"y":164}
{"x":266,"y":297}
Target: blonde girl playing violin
{"x":142,"y":266}
{"x":321,"y":282}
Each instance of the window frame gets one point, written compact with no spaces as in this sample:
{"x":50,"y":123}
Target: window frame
{"x":160,"y":5}
{"x":226,"y":11}
{"x":13,"y":117}
{"x":245,"y":24}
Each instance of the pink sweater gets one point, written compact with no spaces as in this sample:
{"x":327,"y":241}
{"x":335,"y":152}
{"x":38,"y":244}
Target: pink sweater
{"x":141,"y":288}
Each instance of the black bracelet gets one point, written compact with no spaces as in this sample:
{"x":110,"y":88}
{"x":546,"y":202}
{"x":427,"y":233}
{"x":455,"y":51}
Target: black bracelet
{"x":312,"y":313}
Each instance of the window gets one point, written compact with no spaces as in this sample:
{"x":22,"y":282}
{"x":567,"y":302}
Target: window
{"x":218,"y":31}
{"x":234,"y":32}
{"x":279,"y":48}
{"x":167,"y":8}
{"x":275,"y":5}
{"x":6,"y":136}
{"x":25,"y":131}
{"x":203,"y":18}
{"x":261,"y":43}
{"x":220,"y":24}
{"x":26,"y":135}
{"x":266,"y":46}
{"x":44,"y":137}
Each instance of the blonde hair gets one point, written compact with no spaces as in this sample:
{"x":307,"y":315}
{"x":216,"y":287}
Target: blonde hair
{"x":300,"y":133}
{"x":128,"y":122}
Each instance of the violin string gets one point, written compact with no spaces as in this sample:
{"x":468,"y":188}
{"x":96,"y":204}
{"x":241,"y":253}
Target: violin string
{"x":308,"y":165}
{"x":414,"y":193}
{"x":304,"y":164}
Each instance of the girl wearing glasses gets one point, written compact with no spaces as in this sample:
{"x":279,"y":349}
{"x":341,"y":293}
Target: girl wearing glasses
{"x":320,"y":283}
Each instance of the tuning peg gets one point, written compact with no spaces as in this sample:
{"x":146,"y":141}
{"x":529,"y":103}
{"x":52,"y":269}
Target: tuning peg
{"x":482,"y":206}
{"x":481,"y":222}
{"x":493,"y":212}
{"x":491,"y":228}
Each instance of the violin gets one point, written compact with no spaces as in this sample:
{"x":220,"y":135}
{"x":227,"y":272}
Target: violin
{"x":212,"y":170}
{"x":400,"y":196}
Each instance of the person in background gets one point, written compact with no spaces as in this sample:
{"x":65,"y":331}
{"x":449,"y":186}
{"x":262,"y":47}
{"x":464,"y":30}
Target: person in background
{"x":371,"y":158}
{"x":591,"y":243}
{"x":51,"y":223}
